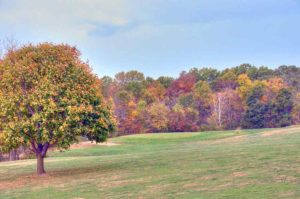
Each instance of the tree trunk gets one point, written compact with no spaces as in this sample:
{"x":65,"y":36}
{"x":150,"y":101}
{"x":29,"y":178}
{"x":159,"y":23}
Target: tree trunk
{"x":13,"y":155}
{"x":40,"y":164}
{"x":40,"y":151}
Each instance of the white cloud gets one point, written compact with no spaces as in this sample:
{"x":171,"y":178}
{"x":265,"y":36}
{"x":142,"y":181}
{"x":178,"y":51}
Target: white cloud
{"x":67,"y":19}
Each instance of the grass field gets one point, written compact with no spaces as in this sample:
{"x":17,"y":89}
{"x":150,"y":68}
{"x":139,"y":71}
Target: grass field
{"x":230,"y":164}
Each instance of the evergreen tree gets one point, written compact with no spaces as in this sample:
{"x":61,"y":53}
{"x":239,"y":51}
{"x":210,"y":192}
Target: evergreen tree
{"x":282,"y":108}
{"x":255,"y":116}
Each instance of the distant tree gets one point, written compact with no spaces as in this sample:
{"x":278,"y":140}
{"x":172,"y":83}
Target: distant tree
{"x":121,"y":101}
{"x":130,"y":122}
{"x":290,"y":75}
{"x":132,"y":81}
{"x":183,"y":119}
{"x":184,"y":84}
{"x":296,"y":109}
{"x":273,"y":86}
{"x":282,"y":110}
{"x":106,"y":86}
{"x":261,"y":73}
{"x":243,"y":69}
{"x":208,"y":75}
{"x":255,"y":116}
{"x":148,"y":81}
{"x":203,"y":100}
{"x":124,"y":78}
{"x":128,"y":89}
{"x":7,"y":45}
{"x":156,"y":117}
{"x":227,"y":110}
{"x":227,"y":79}
{"x":186,"y":100}
{"x":165,"y":81}
{"x":48,"y":97}
{"x":154,"y":92}
{"x":218,"y":109}
{"x":245,"y":84}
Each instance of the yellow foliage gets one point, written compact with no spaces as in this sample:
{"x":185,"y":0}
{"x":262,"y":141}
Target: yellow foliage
{"x":131,"y":103}
{"x":46,"y":91}
{"x":245,"y":84}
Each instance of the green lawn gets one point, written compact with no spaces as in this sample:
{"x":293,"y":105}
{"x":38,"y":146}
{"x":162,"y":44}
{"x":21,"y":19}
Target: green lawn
{"x":230,"y":164}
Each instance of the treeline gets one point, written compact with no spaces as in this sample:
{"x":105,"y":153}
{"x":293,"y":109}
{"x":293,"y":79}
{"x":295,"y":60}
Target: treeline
{"x":245,"y":96}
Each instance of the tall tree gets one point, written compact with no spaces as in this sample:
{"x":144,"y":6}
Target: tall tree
{"x":184,"y":84}
{"x":296,"y":109}
{"x":290,"y":74}
{"x":283,"y":106}
{"x":106,"y":86}
{"x":156,"y":117}
{"x":261,"y":73}
{"x":48,"y":97}
{"x":183,"y":119}
{"x":227,"y":79}
{"x":255,"y":116}
{"x":132,"y":81}
{"x":165,"y":81}
{"x":227,"y":110}
{"x":203,"y":99}
{"x":208,"y":75}
{"x":245,"y":84}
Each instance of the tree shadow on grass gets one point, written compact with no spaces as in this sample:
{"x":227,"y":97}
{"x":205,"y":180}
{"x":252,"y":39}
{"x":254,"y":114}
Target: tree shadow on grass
{"x":61,"y":175}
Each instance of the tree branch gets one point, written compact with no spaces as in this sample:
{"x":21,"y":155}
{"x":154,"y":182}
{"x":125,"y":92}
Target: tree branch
{"x":33,"y":146}
{"x":45,"y":148}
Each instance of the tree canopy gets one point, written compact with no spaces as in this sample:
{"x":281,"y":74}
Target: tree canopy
{"x":243,"y":96}
{"x":48,"y":97}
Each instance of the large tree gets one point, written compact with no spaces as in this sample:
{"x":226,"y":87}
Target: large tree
{"x":49,"y":97}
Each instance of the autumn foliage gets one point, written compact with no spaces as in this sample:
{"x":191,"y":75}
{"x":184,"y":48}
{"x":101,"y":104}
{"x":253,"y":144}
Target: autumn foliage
{"x":49,"y":97}
{"x":205,"y":99}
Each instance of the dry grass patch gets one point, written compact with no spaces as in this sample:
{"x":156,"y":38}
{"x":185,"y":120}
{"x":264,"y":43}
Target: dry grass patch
{"x":239,"y":174}
{"x":288,"y":130}
{"x":26,"y":180}
{"x":87,"y":144}
{"x":286,"y":179}
{"x":238,"y":138}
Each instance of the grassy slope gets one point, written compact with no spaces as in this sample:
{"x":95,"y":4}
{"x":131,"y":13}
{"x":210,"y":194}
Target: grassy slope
{"x":190,"y":165}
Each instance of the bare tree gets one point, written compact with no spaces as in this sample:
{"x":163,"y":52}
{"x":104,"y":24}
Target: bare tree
{"x":8,"y":44}
{"x":227,"y":109}
{"x":218,"y":106}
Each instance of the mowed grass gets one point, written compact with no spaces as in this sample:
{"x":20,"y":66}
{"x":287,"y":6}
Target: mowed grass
{"x":230,"y":164}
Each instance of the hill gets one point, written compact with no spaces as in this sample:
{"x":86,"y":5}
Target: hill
{"x":230,"y":164}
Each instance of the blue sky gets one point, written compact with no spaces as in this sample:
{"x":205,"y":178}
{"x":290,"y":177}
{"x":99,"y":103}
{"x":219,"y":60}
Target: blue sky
{"x":161,"y":37}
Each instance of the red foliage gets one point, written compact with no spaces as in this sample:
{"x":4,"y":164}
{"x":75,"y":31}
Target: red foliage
{"x":184,"y":84}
